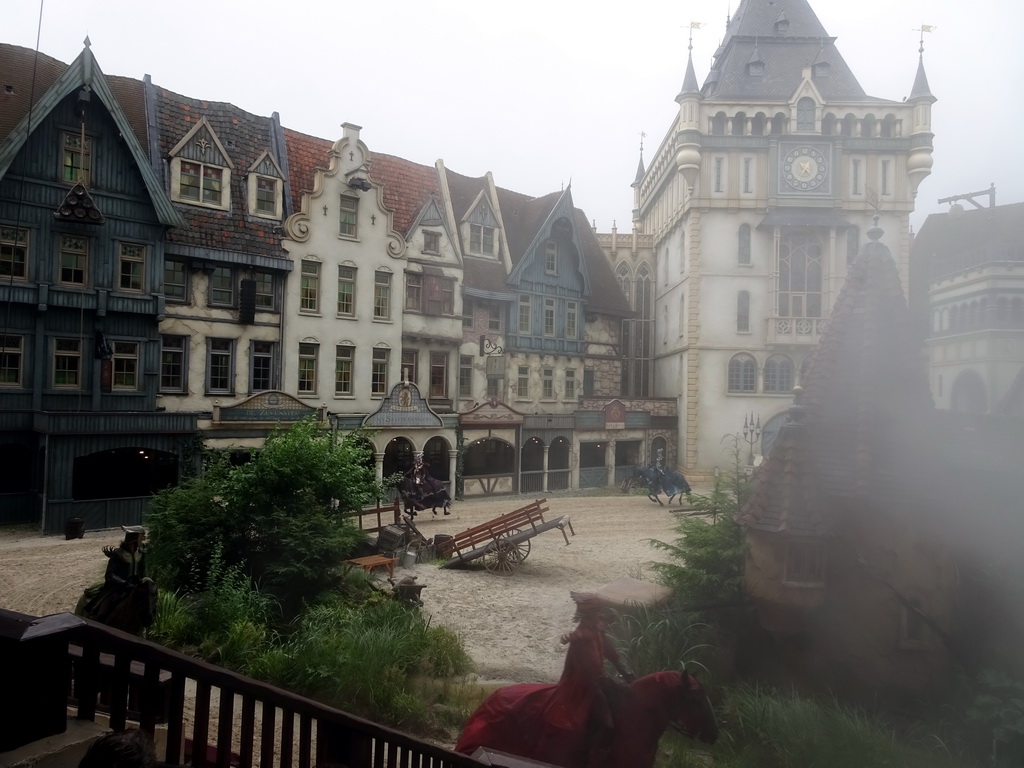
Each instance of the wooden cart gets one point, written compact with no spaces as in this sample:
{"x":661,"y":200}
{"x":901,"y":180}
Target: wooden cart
{"x":504,"y":542}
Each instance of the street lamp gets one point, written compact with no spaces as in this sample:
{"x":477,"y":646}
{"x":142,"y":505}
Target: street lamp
{"x":751,"y":433}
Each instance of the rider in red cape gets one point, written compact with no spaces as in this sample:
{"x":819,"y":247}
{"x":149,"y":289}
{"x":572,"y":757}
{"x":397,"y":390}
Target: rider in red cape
{"x":569,"y":724}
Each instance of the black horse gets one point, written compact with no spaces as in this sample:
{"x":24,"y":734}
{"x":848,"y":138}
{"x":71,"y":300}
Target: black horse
{"x":421,"y":491}
{"x":657,"y":481}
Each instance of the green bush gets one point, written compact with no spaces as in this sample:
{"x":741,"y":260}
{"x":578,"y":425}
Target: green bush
{"x":278,"y":517}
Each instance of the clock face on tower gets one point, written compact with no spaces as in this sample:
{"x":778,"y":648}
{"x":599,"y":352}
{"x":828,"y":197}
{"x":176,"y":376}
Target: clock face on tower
{"x":804,"y":169}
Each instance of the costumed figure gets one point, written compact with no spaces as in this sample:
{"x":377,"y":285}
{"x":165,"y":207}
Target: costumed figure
{"x":126,"y":598}
{"x":419,"y":489}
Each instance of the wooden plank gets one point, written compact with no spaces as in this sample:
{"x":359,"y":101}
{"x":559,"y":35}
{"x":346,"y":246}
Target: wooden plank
{"x":201,"y":726}
{"x":267,"y":735}
{"x":225,"y":727}
{"x":175,"y":719}
{"x":150,"y":702}
{"x":247,"y":732}
{"x":87,"y":681}
{"x":287,"y":738}
{"x":119,"y":692}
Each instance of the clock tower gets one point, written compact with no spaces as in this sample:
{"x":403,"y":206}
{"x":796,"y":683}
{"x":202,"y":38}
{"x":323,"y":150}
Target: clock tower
{"x":756,"y":202}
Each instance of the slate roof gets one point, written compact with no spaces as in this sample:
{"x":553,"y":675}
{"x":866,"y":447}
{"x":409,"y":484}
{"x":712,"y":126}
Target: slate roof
{"x":785,"y":54}
{"x":245,"y":137}
{"x":407,"y":187}
{"x":949,"y":245}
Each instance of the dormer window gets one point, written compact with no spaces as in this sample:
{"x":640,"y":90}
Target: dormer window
{"x":201,"y":169}
{"x":431,"y":242}
{"x":481,"y":239}
{"x":805,"y":114}
{"x":782,"y":25}
{"x":265,"y":185}
{"x":822,"y":69}
{"x":755,"y":69}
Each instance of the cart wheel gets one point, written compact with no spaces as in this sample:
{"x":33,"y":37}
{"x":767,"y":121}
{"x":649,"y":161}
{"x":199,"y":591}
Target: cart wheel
{"x":502,"y":557}
{"x":522,"y":546}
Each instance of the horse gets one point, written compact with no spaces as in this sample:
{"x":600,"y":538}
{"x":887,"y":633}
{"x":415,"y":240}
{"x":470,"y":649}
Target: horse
{"x":131,"y":611}
{"x":424,"y":491}
{"x":534,"y":722}
{"x":658,"y":481}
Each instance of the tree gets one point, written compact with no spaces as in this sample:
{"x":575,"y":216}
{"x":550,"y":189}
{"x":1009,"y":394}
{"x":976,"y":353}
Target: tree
{"x":279,"y":516}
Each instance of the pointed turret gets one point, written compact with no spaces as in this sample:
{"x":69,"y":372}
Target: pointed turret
{"x":919,"y":164}
{"x":690,"y":85}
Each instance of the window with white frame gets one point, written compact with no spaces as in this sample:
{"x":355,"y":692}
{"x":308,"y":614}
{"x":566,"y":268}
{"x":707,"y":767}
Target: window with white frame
{"x":439,"y":295}
{"x":173,"y":363}
{"x":805,"y":563}
{"x":222,"y":287}
{"x":523,"y":382}
{"x":265,"y":195}
{"x":431,"y":242}
{"x":220,"y":366}
{"x":551,"y":258}
{"x":382,"y":296}
{"x":308,"y":353}
{"x":467,"y":312}
{"x":805,"y":114}
{"x":67,"y":363}
{"x":495,"y":372}
{"x":201,"y":183}
{"x":175,"y":280}
{"x":439,"y":374}
{"x":126,"y":365}
{"x":549,"y":317}
{"x":309,"y":287}
{"x":571,"y":320}
{"x":131,"y":266}
{"x":13,"y":253}
{"x":493,"y":316}
{"x":348,"y":224}
{"x":743,"y":374}
{"x":547,"y":384}
{"x":465,"y":375}
{"x":74,"y":260}
{"x":719,"y":169}
{"x":570,"y":384}
{"x":481,"y":239}
{"x":379,"y":372}
{"x":344,"y":355}
{"x":743,"y":246}
{"x":743,"y":312}
{"x":855,"y":177}
{"x":11,"y":360}
{"x":76,"y":158}
{"x":346,"y":291}
{"x":525,"y":315}
{"x":261,"y":366}
{"x":800,"y":278}
{"x":266,"y":294}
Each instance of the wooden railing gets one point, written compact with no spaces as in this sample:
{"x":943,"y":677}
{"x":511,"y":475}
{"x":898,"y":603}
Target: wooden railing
{"x":209,"y":716}
{"x":387,"y":515}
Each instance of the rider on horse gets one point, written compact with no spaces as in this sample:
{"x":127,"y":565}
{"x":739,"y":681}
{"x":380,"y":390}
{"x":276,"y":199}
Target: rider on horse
{"x":126,"y":570}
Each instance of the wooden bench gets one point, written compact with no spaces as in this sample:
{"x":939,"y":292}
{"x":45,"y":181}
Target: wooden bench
{"x":370,"y":562}
{"x":530,"y":516}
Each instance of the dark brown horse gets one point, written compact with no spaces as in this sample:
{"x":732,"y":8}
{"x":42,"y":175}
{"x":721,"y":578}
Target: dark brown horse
{"x":423,"y":491}
{"x":529,"y":721}
{"x":131,"y":608}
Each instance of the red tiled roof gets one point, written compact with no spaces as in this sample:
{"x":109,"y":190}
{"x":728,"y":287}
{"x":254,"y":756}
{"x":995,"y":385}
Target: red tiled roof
{"x":306,"y":154}
{"x":407,"y":187}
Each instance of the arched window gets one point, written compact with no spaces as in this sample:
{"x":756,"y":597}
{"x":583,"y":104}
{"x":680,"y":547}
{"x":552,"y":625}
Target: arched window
{"x":848,"y":123}
{"x":778,"y":124}
{"x":800,"y":274}
{"x":743,"y":374}
{"x":954,"y":318}
{"x":757,"y":124}
{"x":867,"y":126}
{"x":622,"y":275}
{"x":743,"y":255}
{"x":739,"y":124}
{"x":828,"y":125}
{"x":1002,"y":311}
{"x":743,"y":312}
{"x":778,"y":375}
{"x":805,"y":117}
{"x":888,"y":128}
{"x":852,"y":244}
{"x":718,"y":124}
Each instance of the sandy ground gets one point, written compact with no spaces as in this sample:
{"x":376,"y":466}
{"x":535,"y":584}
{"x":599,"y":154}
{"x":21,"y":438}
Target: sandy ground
{"x":510,"y":625}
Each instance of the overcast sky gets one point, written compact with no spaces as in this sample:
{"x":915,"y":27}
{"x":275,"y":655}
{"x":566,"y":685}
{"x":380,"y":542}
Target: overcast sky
{"x":539,"y":92}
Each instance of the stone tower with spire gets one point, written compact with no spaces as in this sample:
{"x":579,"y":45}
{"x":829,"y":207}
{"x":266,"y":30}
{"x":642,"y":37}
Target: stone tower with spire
{"x":754,"y":204}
